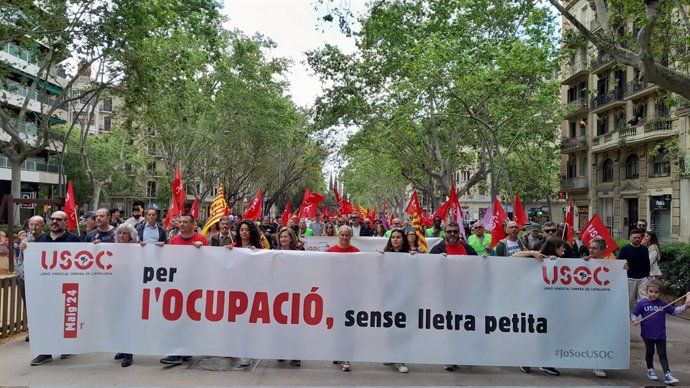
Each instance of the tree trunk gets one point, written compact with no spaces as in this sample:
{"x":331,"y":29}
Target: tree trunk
{"x":16,"y":188}
{"x":96,"y":195}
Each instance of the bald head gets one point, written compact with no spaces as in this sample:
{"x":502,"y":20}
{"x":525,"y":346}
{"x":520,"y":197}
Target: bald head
{"x":58,"y":222}
{"x":512,"y":230}
{"x":36,"y":224}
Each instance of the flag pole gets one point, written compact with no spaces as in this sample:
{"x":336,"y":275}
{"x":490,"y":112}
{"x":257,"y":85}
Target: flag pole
{"x":663,"y":308}
{"x":77,"y":218}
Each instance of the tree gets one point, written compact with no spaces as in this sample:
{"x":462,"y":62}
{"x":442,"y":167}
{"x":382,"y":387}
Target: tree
{"x":86,"y":33}
{"x":226,"y":118}
{"x":96,"y":163}
{"x":650,"y":35}
{"x":442,"y":86}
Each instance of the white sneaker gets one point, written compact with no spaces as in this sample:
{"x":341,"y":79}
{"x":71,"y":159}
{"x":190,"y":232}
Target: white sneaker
{"x":245,"y":361}
{"x":669,"y":379}
{"x":402,"y":368}
{"x":652,"y":375}
{"x":600,"y":373}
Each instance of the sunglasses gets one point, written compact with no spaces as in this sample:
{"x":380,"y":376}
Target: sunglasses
{"x":549,"y":230}
{"x":57,"y":219}
{"x":453,"y":231}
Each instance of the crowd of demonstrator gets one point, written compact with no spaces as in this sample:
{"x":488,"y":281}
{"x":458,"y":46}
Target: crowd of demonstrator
{"x":540,"y":242}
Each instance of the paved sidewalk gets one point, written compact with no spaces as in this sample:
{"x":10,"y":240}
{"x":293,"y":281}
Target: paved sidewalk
{"x":100,"y":370}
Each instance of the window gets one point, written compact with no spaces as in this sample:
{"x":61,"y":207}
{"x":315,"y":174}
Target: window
{"x":106,"y":123}
{"x":465,"y":175}
{"x":607,"y":171}
{"x":151,"y":189}
{"x":661,"y":166}
{"x":151,"y":167}
{"x":640,"y":110}
{"x":632,"y":167}
{"x":573,"y":129}
{"x":571,"y":168}
{"x":661,"y":108}
{"x":602,"y":126}
{"x":107,"y":104}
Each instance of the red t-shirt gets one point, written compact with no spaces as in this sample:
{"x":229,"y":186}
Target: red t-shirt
{"x":338,"y":249}
{"x":457,"y":249}
{"x":179,"y":240}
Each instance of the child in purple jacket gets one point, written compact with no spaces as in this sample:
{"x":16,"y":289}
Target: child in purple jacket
{"x":653,"y":329}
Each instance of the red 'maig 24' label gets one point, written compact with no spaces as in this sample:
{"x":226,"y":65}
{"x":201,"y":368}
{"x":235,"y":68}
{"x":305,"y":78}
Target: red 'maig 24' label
{"x":71,"y":292}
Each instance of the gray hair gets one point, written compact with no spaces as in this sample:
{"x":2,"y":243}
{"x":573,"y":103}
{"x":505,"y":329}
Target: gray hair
{"x":129,"y":229}
{"x":344,"y":228}
{"x":601,"y":243}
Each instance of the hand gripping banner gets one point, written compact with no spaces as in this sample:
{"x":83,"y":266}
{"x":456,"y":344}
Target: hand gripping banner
{"x":369,"y":306}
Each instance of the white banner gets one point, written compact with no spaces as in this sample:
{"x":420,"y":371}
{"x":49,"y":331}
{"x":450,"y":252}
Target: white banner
{"x":311,"y":305}
{"x":364,"y":244}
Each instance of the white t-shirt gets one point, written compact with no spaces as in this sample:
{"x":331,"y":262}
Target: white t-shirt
{"x":355,"y":230}
{"x":513,"y":247}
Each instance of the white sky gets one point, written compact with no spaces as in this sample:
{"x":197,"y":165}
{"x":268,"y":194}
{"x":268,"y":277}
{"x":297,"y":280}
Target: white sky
{"x":296,"y":28}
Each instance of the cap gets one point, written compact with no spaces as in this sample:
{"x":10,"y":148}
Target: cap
{"x":90,"y":215}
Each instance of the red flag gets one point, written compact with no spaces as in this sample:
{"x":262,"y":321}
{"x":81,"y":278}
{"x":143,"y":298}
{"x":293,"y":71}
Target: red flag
{"x":310,"y":204}
{"x":286,"y":213}
{"x":70,"y":207}
{"x":178,"y":190}
{"x":499,"y":231}
{"x":596,"y":228}
{"x":325,"y":212}
{"x":454,"y":205}
{"x":373,"y":216}
{"x":570,"y":222}
{"x":344,"y":206}
{"x":519,"y":214}
{"x":442,"y":211}
{"x":194,"y":210}
{"x":415,"y":211}
{"x":254,"y":210}
{"x":172,"y":212}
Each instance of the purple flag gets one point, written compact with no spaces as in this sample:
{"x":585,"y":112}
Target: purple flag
{"x":384,"y":221}
{"x":488,"y":225}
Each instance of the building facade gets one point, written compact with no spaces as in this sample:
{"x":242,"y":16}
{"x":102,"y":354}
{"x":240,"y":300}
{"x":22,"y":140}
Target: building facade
{"x":619,"y":142}
{"x":26,"y":108}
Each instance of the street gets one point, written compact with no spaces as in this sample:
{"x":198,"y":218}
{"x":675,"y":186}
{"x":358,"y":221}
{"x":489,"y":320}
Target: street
{"x":100,"y":369}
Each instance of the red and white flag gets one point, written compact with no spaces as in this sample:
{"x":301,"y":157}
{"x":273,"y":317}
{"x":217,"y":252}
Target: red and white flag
{"x":194,"y":210}
{"x":498,"y":232}
{"x":172,"y":212}
{"x":596,"y":228}
{"x":254,"y":210}
{"x":310,"y":204}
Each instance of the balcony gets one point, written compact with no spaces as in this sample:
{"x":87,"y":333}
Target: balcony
{"x":573,"y":70}
{"x":32,"y":164}
{"x":29,"y":57}
{"x":24,"y":91}
{"x":634,"y":89}
{"x":575,"y":107}
{"x":573,"y":143}
{"x":572,"y":184}
{"x":605,"y":99}
{"x":26,"y":128}
{"x":601,"y":62}
{"x":661,"y":124}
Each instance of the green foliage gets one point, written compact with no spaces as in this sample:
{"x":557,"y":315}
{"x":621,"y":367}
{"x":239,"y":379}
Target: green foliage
{"x":675,"y":267}
{"x":435,"y":86}
{"x":225,"y":118}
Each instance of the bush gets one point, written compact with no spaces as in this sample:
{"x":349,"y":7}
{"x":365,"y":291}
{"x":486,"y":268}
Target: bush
{"x":675,"y":267}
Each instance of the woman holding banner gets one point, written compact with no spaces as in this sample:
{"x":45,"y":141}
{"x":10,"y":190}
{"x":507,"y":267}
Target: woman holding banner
{"x":397,"y":242}
{"x":248,"y":236}
{"x":126,"y":234}
{"x":287,"y":240}
{"x":412,"y":240}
